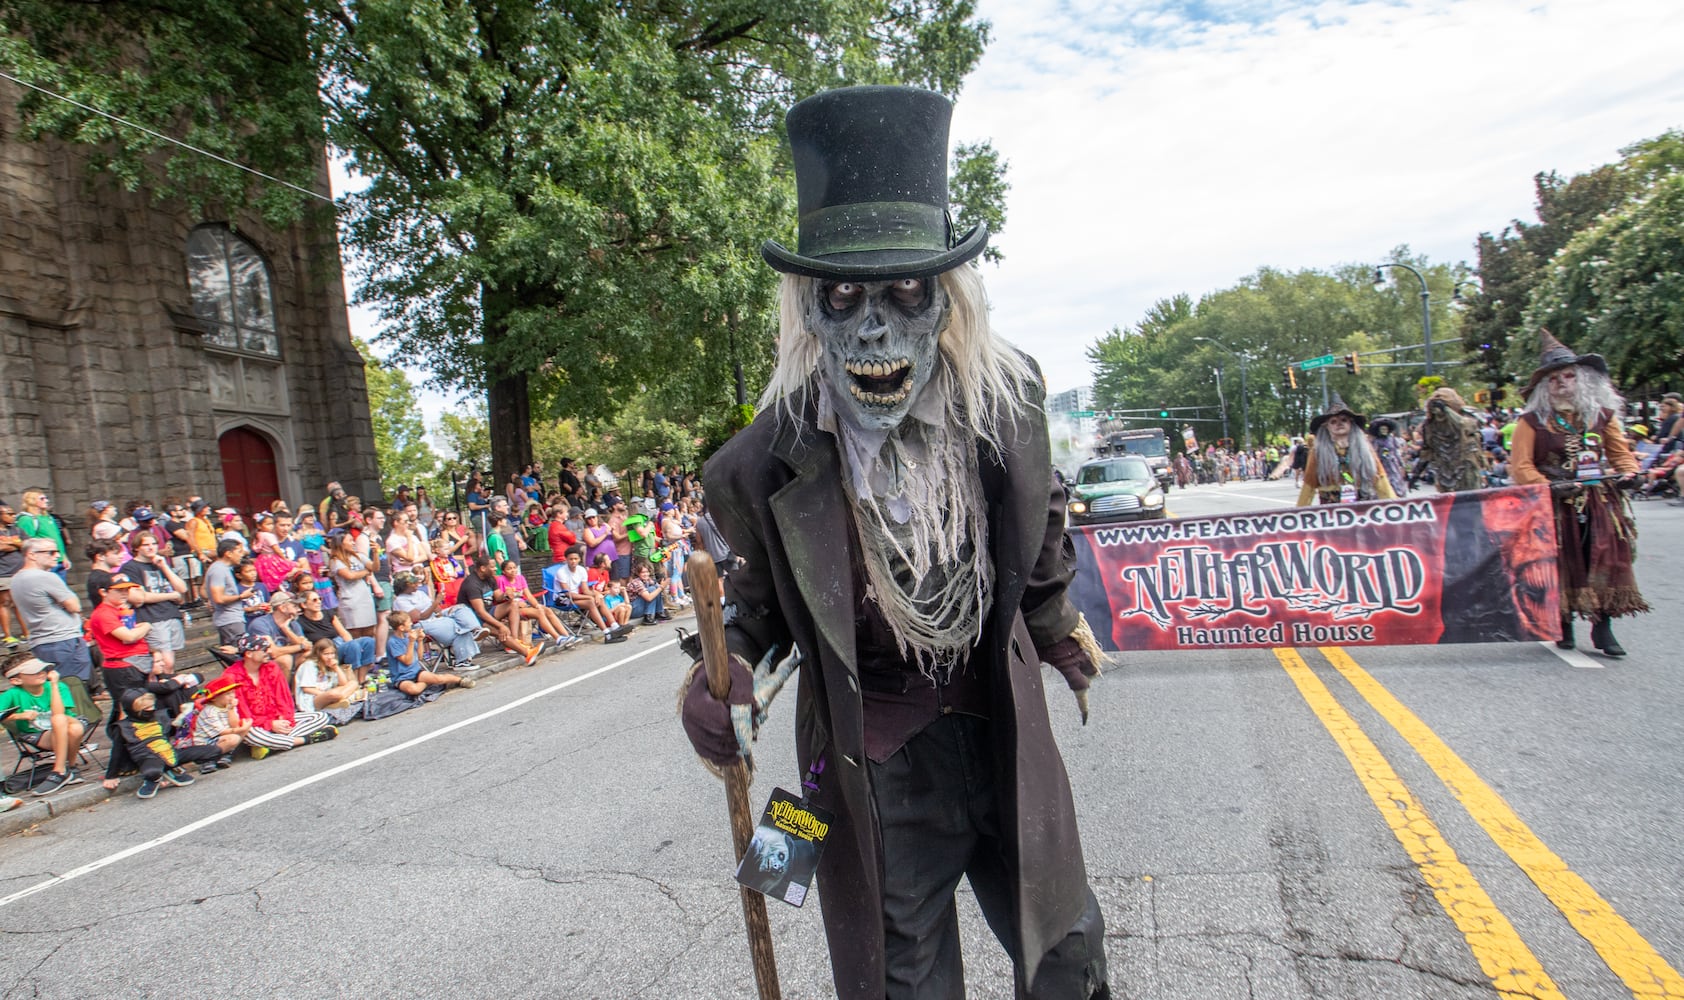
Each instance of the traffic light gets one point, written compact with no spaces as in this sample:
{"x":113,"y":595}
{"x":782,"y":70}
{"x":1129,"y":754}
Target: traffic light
{"x":1291,"y":376}
{"x":1353,"y":364}
{"x":1163,"y":414}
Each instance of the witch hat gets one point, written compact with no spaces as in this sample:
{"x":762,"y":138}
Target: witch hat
{"x":1334,"y":409}
{"x":1553,"y":355}
{"x":871,"y":187}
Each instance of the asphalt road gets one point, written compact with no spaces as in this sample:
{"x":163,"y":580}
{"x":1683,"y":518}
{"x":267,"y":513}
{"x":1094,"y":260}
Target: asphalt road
{"x":1398,"y":822}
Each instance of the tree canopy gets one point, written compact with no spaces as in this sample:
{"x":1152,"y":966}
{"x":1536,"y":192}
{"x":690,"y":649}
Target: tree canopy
{"x":400,"y":431}
{"x":1546,"y":272}
{"x":1276,"y":318}
{"x":564,"y":201}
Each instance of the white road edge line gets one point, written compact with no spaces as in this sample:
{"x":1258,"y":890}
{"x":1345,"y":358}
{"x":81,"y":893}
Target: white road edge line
{"x":1250,"y":496}
{"x":1574,"y":658}
{"x":196,"y":825}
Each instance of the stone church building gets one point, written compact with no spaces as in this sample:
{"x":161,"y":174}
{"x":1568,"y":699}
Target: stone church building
{"x":145,"y":353}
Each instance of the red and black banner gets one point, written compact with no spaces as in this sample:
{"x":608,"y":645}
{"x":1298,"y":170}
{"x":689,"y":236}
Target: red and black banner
{"x":1452,"y":567}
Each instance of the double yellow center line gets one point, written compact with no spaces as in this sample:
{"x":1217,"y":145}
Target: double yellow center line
{"x":1512,"y":967}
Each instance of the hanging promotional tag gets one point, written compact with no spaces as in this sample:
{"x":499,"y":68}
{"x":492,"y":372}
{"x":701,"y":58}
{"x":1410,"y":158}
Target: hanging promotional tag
{"x":784,"y":854}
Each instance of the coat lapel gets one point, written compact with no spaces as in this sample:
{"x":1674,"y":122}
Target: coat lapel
{"x":812,"y":519}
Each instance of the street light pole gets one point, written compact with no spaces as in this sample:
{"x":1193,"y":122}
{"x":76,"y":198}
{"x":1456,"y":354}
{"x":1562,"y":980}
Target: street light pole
{"x":1245,"y":397}
{"x":1426,"y":312}
{"x":1221,"y":401}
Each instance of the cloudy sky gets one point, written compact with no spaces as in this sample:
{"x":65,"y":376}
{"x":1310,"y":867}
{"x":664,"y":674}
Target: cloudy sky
{"x":1164,"y":146}
{"x":1176,"y":146}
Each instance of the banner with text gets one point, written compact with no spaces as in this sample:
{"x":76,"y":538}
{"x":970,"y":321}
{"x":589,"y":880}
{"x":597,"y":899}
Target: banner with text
{"x":1452,"y":567}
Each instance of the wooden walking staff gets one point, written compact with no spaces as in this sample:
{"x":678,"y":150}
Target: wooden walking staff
{"x":703,"y":580}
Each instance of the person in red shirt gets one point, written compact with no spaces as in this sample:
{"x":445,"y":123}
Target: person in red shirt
{"x":265,"y":700}
{"x":113,"y":629}
{"x":561,"y":537}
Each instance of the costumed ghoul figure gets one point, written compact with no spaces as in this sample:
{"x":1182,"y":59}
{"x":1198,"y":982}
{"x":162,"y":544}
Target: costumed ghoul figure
{"x":1570,"y":437}
{"x":1451,"y":444}
{"x":1342,"y":467}
{"x":899,"y":524}
{"x":1388,"y":448}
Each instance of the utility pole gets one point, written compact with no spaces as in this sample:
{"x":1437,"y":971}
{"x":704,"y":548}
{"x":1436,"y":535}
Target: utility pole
{"x":1221,"y":401}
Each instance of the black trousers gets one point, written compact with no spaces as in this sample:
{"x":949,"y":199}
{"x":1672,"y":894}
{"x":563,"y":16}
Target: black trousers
{"x":938,"y":816}
{"x":152,"y":766}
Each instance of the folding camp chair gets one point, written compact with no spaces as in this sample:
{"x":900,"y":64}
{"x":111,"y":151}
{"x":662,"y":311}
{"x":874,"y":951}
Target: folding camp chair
{"x":35,"y":763}
{"x":556,"y":597}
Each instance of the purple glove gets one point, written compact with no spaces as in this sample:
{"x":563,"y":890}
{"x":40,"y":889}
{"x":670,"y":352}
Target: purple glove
{"x":1069,"y":658}
{"x":707,"y":721}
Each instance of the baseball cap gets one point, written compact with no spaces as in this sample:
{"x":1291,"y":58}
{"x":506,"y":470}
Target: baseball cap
{"x":144,"y":514}
{"x":225,"y":511}
{"x":669,"y":505}
{"x":120,"y":582}
{"x":283,"y":598}
{"x":199,"y":505}
{"x":30,"y":666}
{"x":591,"y":512}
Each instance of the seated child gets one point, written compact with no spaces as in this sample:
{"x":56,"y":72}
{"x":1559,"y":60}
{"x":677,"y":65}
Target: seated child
{"x":322,"y":684}
{"x":214,"y":720}
{"x":146,"y":737}
{"x":403,"y":658}
{"x":616,"y":607}
{"x":257,"y":604}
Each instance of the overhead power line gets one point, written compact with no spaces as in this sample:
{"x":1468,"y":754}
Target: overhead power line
{"x":166,"y":138}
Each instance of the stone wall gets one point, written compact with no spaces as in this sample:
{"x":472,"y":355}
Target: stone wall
{"x":109,"y":388}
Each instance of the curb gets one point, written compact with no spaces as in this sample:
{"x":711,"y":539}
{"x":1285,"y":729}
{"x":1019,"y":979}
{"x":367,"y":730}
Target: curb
{"x":36,"y":811}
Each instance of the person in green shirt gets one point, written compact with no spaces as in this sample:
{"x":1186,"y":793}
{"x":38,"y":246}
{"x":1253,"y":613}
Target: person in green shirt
{"x":37,"y":521}
{"x":38,"y":709}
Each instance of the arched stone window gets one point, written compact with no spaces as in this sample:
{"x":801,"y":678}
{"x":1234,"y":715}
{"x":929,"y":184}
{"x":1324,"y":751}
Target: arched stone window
{"x":231,"y":293}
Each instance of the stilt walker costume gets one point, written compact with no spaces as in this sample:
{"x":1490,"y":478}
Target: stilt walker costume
{"x":1570,"y":437}
{"x":896,"y":512}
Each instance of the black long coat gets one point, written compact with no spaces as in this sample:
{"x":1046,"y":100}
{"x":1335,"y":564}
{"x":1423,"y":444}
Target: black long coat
{"x":776,"y":492}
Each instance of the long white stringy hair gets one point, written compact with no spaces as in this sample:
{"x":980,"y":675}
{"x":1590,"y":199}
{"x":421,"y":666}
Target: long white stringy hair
{"x":1592,"y":393}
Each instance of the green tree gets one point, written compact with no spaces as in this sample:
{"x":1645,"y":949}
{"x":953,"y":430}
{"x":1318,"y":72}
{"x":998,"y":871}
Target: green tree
{"x":1618,"y":289}
{"x":1172,"y":357}
{"x":1512,"y":265}
{"x":637,"y":440}
{"x":564,"y":201}
{"x":400,"y":434}
{"x":468,"y":439}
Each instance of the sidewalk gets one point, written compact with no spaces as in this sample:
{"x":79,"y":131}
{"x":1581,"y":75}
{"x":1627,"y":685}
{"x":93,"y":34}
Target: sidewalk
{"x":36,"y":811}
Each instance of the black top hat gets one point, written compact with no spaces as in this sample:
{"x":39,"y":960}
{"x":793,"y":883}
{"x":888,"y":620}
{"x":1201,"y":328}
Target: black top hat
{"x":1334,"y":409}
{"x":871,"y":183}
{"x":1553,"y":355}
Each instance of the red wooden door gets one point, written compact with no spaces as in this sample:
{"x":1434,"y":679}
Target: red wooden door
{"x":249,"y":478}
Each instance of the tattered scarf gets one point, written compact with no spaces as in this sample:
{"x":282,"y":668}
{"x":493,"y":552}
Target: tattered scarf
{"x":916,"y":495}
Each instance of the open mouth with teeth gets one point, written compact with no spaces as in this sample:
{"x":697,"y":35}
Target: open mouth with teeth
{"x":880,"y":383}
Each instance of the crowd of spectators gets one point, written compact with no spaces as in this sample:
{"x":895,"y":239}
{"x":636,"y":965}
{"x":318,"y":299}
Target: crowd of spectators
{"x":325,"y":613}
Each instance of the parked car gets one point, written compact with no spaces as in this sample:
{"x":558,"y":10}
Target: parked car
{"x":1115,"y":489}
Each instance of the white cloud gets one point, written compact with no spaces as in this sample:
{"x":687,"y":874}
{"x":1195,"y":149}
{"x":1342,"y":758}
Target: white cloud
{"x":1175,"y":147}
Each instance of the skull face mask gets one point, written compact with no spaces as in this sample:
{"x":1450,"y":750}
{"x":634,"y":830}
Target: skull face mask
{"x":878,"y":344}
